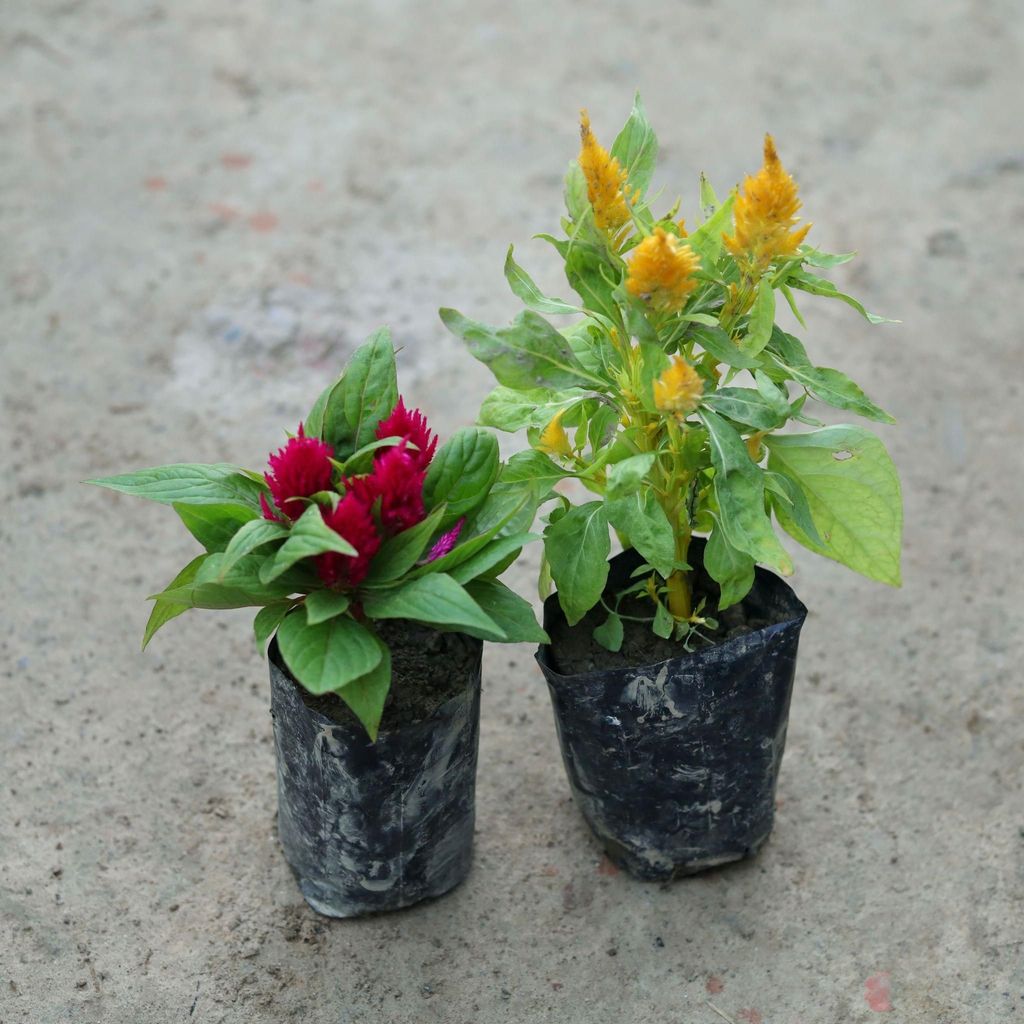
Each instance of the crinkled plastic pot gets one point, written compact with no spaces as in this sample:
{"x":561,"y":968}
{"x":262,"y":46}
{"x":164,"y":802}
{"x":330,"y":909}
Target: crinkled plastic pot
{"x":674,"y":765}
{"x":369,"y":827}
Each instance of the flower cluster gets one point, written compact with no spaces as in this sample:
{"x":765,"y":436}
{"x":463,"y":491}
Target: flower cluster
{"x":662,"y":270}
{"x":373,"y":507}
{"x":606,"y":181}
{"x":765,"y":215}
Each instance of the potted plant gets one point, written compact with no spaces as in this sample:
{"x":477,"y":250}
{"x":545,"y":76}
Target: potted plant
{"x":671,"y":665}
{"x":373,"y":555}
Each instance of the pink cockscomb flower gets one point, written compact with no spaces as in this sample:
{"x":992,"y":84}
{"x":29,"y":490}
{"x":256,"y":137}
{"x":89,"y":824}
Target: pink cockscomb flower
{"x":412,"y":425}
{"x":445,"y":542}
{"x":350,"y":519}
{"x":397,"y":481}
{"x":299,"y":469}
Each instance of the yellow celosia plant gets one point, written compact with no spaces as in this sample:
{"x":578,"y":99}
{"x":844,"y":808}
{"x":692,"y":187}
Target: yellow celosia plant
{"x":665,"y":394}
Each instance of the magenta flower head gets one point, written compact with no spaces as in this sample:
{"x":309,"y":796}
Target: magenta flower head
{"x":397,"y":481}
{"x":299,"y":470}
{"x":445,"y":542}
{"x":350,"y":519}
{"x":413,"y":427}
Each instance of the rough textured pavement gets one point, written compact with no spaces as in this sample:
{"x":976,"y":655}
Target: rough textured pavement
{"x":205,"y":206}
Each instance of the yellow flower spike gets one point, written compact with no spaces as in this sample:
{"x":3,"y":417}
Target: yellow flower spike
{"x":681,"y":227}
{"x":553,"y":439}
{"x":661,"y":271}
{"x":764,"y":214}
{"x":605,"y":180}
{"x":679,"y":388}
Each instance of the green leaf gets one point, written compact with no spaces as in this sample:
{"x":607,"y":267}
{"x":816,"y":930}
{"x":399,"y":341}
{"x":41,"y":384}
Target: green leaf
{"x":577,"y":548}
{"x":739,"y":490}
{"x":717,"y":343}
{"x":663,"y":624}
{"x":399,"y":554}
{"x":214,"y":525}
{"x":817,"y":258}
{"x":533,"y":465}
{"x":762,"y":319}
{"x":782,"y":490}
{"x":707,"y":239}
{"x":585,"y":269}
{"x":490,"y":556}
{"x":366,"y":394}
{"x":367,"y":695}
{"x":730,"y":568}
{"x":820,"y":286}
{"x":188,"y":483}
{"x":708,"y":199}
{"x":309,"y":536}
{"x":774,"y":394}
{"x":636,"y":147}
{"x":523,"y":286}
{"x":853,"y":492}
{"x":626,"y":476}
{"x":327,"y":656}
{"x":361,"y":461}
{"x":461,"y":473}
{"x":513,"y":615}
{"x":508,"y":409}
{"x":746,"y":406}
{"x":509,"y":508}
{"x":322,"y":605}
{"x":267,"y":620}
{"x":825,"y":384}
{"x":254,"y":534}
{"x":163,"y":610}
{"x":610,"y":633}
{"x":238,"y":587}
{"x":643,"y":522}
{"x":436,"y":599}
{"x":528,"y":354}
{"x":313,"y":424}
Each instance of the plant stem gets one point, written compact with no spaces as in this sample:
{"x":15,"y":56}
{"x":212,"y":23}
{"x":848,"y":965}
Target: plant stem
{"x":680,"y":601}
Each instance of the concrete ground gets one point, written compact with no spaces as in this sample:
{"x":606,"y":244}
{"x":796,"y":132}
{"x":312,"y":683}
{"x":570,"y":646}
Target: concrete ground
{"x":205,"y":205}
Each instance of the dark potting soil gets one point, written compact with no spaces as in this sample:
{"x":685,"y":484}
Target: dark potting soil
{"x":428,"y":668}
{"x":574,"y":650}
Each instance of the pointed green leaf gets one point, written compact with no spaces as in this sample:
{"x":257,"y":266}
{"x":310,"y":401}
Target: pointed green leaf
{"x":739,"y":490}
{"x":254,"y":534}
{"x":309,"y":536}
{"x":820,"y":286}
{"x":717,"y":343}
{"x":746,"y":406}
{"x":366,"y":394}
{"x":610,"y":633}
{"x":188,"y":483}
{"x":461,"y":473}
{"x":626,"y":476}
{"x":322,"y":605}
{"x":513,"y":615}
{"x":488,"y":557}
{"x":163,"y":611}
{"x":577,"y":548}
{"x":762,"y":319}
{"x":437,"y":600}
{"x":853,"y":492}
{"x":636,"y":147}
{"x":214,"y":525}
{"x":399,"y":554}
{"x":328,"y":655}
{"x":730,"y":568}
{"x":523,"y":286}
{"x":528,"y":354}
{"x":367,"y":695}
{"x":267,"y":620}
{"x":825,"y":384}
{"x":642,"y":521}
{"x":508,"y":409}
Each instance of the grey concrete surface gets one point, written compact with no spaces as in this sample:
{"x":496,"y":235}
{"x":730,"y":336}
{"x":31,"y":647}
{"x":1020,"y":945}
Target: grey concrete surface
{"x":204,"y":206}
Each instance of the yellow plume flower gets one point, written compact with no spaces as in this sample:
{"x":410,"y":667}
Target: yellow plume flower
{"x":765,"y":214}
{"x":661,"y":270}
{"x":679,"y":388}
{"x":606,"y":180}
{"x":553,"y":439}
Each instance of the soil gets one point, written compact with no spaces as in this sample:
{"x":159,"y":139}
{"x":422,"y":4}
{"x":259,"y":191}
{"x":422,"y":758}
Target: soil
{"x":574,"y":650}
{"x":428,"y":668}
